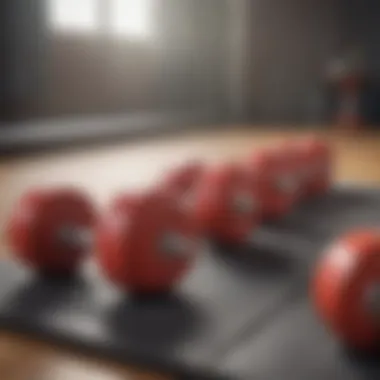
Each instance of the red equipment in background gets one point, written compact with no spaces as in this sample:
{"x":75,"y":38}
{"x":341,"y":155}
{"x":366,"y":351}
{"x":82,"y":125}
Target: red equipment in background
{"x":347,"y":75}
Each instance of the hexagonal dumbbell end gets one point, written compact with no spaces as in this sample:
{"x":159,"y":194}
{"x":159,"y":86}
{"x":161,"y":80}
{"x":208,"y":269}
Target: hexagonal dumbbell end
{"x":317,"y":155}
{"x":183,"y":178}
{"x":346,"y":289}
{"x":145,"y":243}
{"x":44,"y":229}
{"x":225,"y":205}
{"x":277,"y":185}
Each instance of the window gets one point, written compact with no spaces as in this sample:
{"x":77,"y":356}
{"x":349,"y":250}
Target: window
{"x":125,"y":18}
{"x":131,"y":18}
{"x":73,"y":15}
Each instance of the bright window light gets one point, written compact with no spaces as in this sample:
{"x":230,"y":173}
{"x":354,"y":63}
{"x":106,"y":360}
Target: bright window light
{"x":73,"y":15}
{"x":131,"y":18}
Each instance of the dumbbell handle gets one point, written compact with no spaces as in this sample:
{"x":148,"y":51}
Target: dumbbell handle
{"x":281,"y":239}
{"x":372,"y":299}
{"x":173,"y":244}
{"x":77,"y":237}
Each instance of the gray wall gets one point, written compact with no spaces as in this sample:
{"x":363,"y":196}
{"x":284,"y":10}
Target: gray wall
{"x":22,"y":39}
{"x":50,"y":75}
{"x":192,"y":38}
{"x":260,"y":59}
{"x":290,"y":45}
{"x":238,"y":62}
{"x":362,"y":29}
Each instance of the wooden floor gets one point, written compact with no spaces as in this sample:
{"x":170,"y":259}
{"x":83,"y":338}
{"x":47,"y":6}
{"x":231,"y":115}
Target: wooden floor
{"x":105,"y":171}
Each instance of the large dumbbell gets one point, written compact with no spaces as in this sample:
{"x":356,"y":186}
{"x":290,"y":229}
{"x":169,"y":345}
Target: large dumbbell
{"x":346,"y":289}
{"x":48,"y":229}
{"x":219,"y":199}
{"x":143,"y":243}
{"x":264,"y":186}
{"x":146,"y":242}
{"x":276,"y":178}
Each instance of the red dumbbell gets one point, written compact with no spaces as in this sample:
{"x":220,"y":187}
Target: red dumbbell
{"x":46,"y":227}
{"x":183,"y":178}
{"x":225,"y":205}
{"x":346,"y":289}
{"x":297,"y":165}
{"x":316,"y":154}
{"x":145,"y":243}
{"x":221,"y":200}
{"x":272,"y":170}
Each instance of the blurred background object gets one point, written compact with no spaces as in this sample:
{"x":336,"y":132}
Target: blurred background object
{"x":80,"y":68}
{"x":347,"y":76}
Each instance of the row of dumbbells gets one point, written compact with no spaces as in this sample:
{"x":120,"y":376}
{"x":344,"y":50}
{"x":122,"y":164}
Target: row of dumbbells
{"x":146,"y":242}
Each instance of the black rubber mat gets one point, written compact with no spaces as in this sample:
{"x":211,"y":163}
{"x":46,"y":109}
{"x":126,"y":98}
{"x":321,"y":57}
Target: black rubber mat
{"x":295,"y":346}
{"x":212,"y":325}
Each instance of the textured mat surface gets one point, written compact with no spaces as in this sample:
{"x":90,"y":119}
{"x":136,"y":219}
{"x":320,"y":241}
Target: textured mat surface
{"x":295,"y":346}
{"x":233,"y":299}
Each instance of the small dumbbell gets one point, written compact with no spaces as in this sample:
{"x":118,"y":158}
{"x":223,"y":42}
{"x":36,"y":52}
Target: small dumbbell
{"x":143,"y":243}
{"x":226,"y":204}
{"x":219,"y":199}
{"x":315,"y":167}
{"x":271,"y":170}
{"x":182,"y":179}
{"x":295,"y":166}
{"x":346,"y":289}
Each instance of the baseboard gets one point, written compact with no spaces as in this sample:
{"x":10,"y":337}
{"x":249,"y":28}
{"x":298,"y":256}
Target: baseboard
{"x":47,"y":135}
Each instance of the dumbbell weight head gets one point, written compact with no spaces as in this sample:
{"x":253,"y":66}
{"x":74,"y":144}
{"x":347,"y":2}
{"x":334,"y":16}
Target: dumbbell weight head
{"x":274,"y":176}
{"x":183,"y":178}
{"x":317,"y":156}
{"x":37,"y":229}
{"x":145,"y":243}
{"x":224,"y":206}
{"x":181,"y":183}
{"x":294,"y":163}
{"x":346,"y":289}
